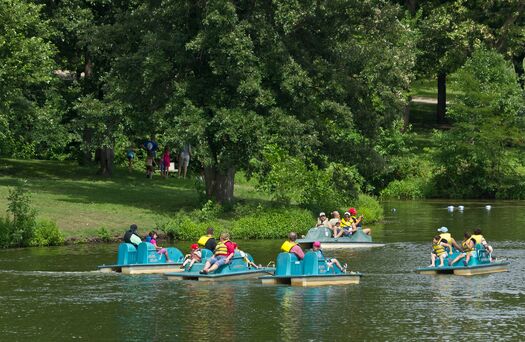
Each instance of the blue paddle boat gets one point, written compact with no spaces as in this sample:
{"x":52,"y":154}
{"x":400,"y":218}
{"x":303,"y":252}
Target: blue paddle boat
{"x":144,"y":259}
{"x":480,"y":263}
{"x":237,"y":269}
{"x":323,"y":234}
{"x":311,"y":271}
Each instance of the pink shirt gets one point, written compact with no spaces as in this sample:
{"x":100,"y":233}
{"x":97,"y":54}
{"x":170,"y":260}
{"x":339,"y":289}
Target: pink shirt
{"x":297,"y":251}
{"x":166,"y":159}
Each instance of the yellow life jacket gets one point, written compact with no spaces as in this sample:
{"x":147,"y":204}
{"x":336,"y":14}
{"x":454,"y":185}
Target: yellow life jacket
{"x":221,"y":248}
{"x":287,"y":246}
{"x":466,"y":246}
{"x":477,"y":238}
{"x":202,"y":240}
{"x":445,"y":236}
{"x":345,"y":223}
{"x":438,"y":249}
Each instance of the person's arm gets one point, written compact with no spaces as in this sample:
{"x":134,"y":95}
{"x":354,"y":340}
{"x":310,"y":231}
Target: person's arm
{"x":444,"y":244}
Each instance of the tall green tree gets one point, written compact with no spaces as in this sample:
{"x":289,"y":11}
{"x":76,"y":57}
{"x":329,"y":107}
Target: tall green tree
{"x":29,"y":119}
{"x":482,"y":155}
{"x":317,"y":78}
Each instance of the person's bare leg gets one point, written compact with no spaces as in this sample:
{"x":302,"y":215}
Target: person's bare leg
{"x":206,"y":266}
{"x":185,"y":168}
{"x":367,"y":231}
{"x":433,"y":258}
{"x":213,"y":267}
{"x":442,"y":260}
{"x":338,"y":264}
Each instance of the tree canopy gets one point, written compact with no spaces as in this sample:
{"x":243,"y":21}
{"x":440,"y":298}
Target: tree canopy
{"x":316,"y":85}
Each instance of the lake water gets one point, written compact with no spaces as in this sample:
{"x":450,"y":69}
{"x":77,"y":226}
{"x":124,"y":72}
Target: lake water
{"x":54,"y":293}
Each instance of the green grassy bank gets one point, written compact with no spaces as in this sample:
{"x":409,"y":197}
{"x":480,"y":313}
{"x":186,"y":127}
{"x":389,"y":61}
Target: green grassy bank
{"x":86,"y":206}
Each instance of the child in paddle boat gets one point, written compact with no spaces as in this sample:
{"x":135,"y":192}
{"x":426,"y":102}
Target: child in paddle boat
{"x":347,"y":226}
{"x":160,"y":250}
{"x":358,"y":222}
{"x":330,"y":261}
{"x":245,"y":258}
{"x":468,"y":247}
{"x":194,"y":256}
{"x":438,"y":251}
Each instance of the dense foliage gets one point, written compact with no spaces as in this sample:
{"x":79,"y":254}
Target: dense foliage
{"x":305,"y":96}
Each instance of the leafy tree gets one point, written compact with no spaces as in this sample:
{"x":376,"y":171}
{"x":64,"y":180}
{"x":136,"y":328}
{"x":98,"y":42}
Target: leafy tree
{"x":315,"y":78}
{"x":29,"y":120}
{"x":450,"y":30}
{"x":481,"y":155}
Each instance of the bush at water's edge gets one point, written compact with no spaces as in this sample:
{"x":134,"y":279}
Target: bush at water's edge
{"x":255,"y":222}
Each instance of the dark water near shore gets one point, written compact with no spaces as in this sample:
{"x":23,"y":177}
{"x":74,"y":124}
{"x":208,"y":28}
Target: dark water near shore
{"x":54,"y":294}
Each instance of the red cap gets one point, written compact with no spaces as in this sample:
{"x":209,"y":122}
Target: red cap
{"x":194,"y":246}
{"x":352,"y":211}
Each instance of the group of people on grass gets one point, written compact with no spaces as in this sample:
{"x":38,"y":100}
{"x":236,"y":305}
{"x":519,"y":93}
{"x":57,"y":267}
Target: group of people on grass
{"x":164,"y":161}
{"x":346,"y":226}
{"x":291,"y":246}
{"x":445,"y":240}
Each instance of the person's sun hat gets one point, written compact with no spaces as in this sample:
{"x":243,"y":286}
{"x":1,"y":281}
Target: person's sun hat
{"x":352,"y":211}
{"x":194,"y":246}
{"x":317,"y":244}
{"x":346,"y":213}
{"x":443,"y":229}
{"x":322,"y":214}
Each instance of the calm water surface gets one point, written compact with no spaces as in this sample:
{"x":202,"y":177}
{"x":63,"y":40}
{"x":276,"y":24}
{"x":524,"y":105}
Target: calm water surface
{"x":54,"y":294}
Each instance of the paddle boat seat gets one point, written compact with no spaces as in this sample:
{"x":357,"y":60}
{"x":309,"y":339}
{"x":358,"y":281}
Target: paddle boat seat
{"x":127,"y":254}
{"x":482,"y":254}
{"x":313,"y":265}
{"x":288,"y":264}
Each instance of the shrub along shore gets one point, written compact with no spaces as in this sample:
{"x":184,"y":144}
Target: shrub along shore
{"x":73,"y":205}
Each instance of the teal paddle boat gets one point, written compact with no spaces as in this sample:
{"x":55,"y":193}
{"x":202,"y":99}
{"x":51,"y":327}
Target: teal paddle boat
{"x":144,"y":259}
{"x":323,"y":234}
{"x":480,"y":263}
{"x":311,"y":271}
{"x":236,"y":269}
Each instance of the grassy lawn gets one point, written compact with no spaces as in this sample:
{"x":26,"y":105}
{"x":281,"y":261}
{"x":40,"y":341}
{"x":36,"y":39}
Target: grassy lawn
{"x":428,"y":88}
{"x":82,"y":203}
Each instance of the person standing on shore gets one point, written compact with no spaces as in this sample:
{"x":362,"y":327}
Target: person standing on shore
{"x":184,"y":159}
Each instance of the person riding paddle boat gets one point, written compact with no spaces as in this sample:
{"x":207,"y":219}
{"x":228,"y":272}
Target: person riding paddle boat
{"x":290,"y":246}
{"x":222,"y":254}
{"x":358,"y":222}
{"x":468,"y":246}
{"x":438,"y":251}
{"x":207,"y":241}
{"x":444,"y":234}
{"x":131,"y":236}
{"x":329,"y":261}
{"x":481,"y":240}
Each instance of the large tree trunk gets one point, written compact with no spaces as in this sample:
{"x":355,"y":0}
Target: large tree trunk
{"x":442,"y":98}
{"x":105,"y":158}
{"x":412,"y":6}
{"x":219,"y":184}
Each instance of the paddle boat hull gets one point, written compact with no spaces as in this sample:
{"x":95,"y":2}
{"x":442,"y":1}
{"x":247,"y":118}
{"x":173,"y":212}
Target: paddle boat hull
{"x":237,"y":269}
{"x":144,"y":259}
{"x":324,"y":235}
{"x":311,"y":271}
{"x":480,"y":263}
